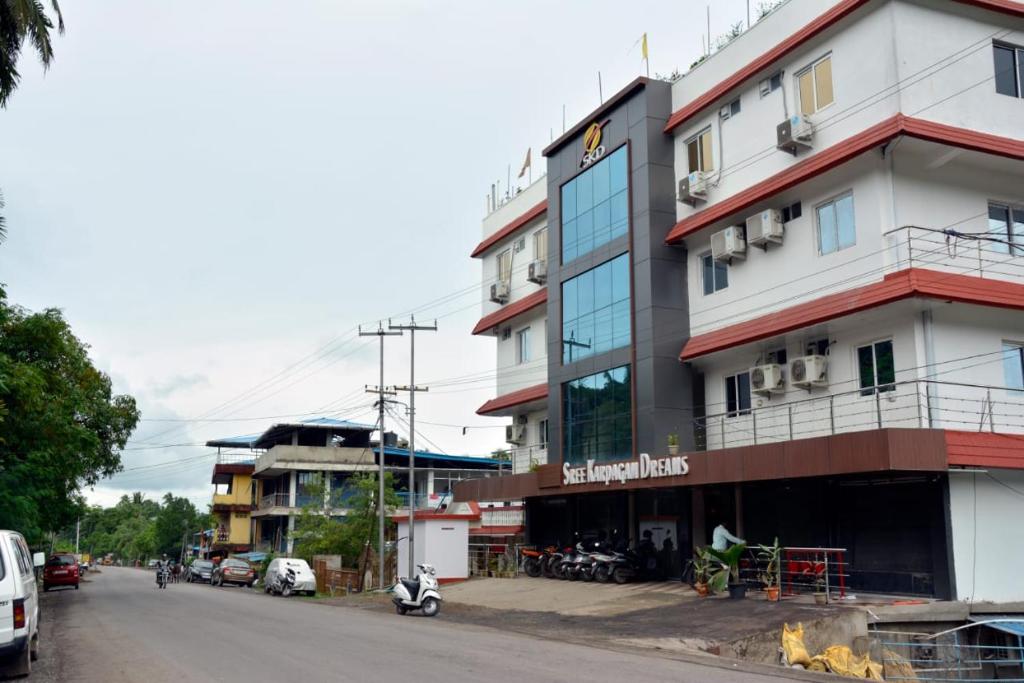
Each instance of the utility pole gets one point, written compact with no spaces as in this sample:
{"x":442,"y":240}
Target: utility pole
{"x":412,"y":389}
{"x":380,"y":390}
{"x":78,"y":533}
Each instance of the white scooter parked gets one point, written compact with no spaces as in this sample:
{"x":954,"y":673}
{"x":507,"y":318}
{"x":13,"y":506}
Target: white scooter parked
{"x":420,"y":593}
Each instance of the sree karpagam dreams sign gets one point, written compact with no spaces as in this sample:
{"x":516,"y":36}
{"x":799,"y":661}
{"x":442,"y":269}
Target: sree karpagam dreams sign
{"x":644,"y":468}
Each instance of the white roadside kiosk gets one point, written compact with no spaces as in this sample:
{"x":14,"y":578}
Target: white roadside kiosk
{"x":441,"y":539}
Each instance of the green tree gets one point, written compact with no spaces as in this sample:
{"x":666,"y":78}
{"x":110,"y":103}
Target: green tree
{"x":177,"y":517}
{"x":61,"y":426}
{"x":21,"y":21}
{"x":317,"y":533}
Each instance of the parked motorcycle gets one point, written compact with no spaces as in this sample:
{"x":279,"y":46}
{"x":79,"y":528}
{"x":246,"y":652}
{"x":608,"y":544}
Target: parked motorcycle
{"x":533,"y":561}
{"x":420,"y":593}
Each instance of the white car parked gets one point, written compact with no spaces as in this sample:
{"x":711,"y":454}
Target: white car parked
{"x":19,"y":604}
{"x":278,"y":581}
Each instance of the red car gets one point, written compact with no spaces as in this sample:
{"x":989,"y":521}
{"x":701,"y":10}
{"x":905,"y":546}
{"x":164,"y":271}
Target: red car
{"x":60,"y":570}
{"x":233,"y":571}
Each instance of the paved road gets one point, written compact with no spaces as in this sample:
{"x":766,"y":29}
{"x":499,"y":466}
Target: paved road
{"x":119,"y":627}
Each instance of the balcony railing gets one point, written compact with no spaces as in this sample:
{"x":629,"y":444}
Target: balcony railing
{"x":236,"y":458}
{"x":955,"y":251}
{"x":503,"y":516}
{"x":525,"y":458}
{"x":915,"y":404}
{"x":275,"y":500}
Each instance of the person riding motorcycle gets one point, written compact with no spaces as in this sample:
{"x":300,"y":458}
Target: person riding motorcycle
{"x":162,"y":565}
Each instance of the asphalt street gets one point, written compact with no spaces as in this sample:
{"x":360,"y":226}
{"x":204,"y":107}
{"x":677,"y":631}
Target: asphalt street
{"x":120,"y":627}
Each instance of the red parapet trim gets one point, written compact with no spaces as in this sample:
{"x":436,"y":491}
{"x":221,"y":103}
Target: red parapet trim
{"x":496,"y":530}
{"x":840,"y":153}
{"x":511,"y":310}
{"x":985,"y":449}
{"x":511,"y":228}
{"x":904,"y":284}
{"x":822,"y":23}
{"x":527,"y":395}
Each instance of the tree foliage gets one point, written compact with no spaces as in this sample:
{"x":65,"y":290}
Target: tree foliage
{"x":21,"y":21}
{"x":317,"y":533}
{"x":61,"y":426}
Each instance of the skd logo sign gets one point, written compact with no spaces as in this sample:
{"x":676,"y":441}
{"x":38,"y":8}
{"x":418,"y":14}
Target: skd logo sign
{"x":592,"y":147}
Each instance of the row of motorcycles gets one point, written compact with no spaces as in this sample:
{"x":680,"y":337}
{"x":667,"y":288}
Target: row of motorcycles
{"x":596,"y":563}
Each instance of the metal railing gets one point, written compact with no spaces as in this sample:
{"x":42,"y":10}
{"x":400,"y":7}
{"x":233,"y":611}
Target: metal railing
{"x":916,"y":403}
{"x":964,"y":653}
{"x":236,"y":458}
{"x":503,"y":516}
{"x":955,"y":251}
{"x":525,"y":458}
{"x":274,"y":500}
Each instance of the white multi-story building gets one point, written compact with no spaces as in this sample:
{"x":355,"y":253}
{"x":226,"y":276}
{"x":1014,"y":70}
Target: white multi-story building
{"x":514,"y":256}
{"x":826,"y":291}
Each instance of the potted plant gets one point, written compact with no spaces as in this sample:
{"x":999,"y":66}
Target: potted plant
{"x":701,"y":571}
{"x":729,"y":572}
{"x":673,"y":444}
{"x":820,"y":594}
{"x":768,"y":556}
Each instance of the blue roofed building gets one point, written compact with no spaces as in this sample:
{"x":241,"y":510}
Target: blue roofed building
{"x":289,"y":459}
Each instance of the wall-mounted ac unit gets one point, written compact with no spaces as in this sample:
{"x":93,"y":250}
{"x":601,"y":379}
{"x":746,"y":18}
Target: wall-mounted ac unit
{"x":538,"y":271}
{"x":765,"y":228}
{"x":500,"y":292}
{"x":515,"y":434}
{"x":794,"y":134}
{"x":809,"y":371}
{"x":728,"y":244}
{"x":766,"y":379}
{"x":693,"y":188}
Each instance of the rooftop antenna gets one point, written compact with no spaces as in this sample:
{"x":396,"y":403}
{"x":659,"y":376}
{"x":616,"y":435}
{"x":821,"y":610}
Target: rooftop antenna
{"x":600,"y":90}
{"x":709,"y":30}
{"x":563,"y":118}
{"x":748,"y":14}
{"x":508,"y":187}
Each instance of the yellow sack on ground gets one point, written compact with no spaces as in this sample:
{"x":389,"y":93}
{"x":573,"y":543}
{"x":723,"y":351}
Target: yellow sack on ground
{"x":840,"y":660}
{"x":793,"y":645}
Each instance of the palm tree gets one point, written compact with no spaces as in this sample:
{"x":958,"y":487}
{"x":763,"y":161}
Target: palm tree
{"x":22,"y":20}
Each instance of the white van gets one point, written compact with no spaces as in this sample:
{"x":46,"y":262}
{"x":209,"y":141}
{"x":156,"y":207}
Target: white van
{"x":19,"y":604}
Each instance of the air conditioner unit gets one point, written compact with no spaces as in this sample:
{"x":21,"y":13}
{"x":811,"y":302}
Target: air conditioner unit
{"x":538,"y":271}
{"x":693,"y":188}
{"x":765,"y":379}
{"x":794,"y":134}
{"x":728,"y":244}
{"x":515,"y":434}
{"x":499,"y":292}
{"x":765,"y":228}
{"x":809,"y":371}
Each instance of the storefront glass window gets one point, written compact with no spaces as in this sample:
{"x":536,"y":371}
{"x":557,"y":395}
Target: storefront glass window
{"x":595,"y":310}
{"x":595,"y":206}
{"x":598,"y":417}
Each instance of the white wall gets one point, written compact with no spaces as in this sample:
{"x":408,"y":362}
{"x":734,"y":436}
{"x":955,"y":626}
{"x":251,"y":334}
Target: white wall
{"x":988,"y":540}
{"x":443,"y":543}
{"x":533,"y":450}
{"x":511,"y":375}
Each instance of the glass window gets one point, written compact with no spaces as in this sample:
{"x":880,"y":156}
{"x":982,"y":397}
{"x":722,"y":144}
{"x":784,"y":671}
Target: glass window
{"x":836,"y":225}
{"x":505,"y":266}
{"x":595,"y":310}
{"x":698,"y":152}
{"x":714,"y":273}
{"x":542,"y":433}
{"x":540,"y":244}
{"x":737,"y":394}
{"x":523,"y":345}
{"x":1013,"y":364}
{"x":597,"y":410}
{"x":814,"y":86}
{"x":1006,"y":225}
{"x":595,"y":206}
{"x":1009,"y":63}
{"x":876,"y":368}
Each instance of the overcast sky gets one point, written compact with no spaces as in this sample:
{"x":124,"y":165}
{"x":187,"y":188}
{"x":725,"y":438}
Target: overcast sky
{"x":213,"y":191}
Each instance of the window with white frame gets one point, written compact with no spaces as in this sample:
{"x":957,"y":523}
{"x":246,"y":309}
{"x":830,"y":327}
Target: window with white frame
{"x":836,"y":229}
{"x":876,"y":367}
{"x":542,"y":433}
{"x":523,"y":345}
{"x":715,"y":274}
{"x":505,"y":266}
{"x":1006,"y":226}
{"x":540,"y":244}
{"x":698,"y":152}
{"x":737,"y":394}
{"x":814,"y":86}
{"x":1013,"y":364}
{"x":1009,"y":66}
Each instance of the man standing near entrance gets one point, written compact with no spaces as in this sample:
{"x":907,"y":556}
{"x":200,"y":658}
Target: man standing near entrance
{"x":721,"y":538}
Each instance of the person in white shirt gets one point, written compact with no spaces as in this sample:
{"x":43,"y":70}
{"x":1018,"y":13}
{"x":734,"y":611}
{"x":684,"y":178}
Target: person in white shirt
{"x":721,"y":538}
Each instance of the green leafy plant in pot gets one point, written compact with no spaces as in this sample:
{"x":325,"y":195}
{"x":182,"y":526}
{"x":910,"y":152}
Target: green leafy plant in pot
{"x":728,"y":572}
{"x":768,"y":557}
{"x":702,"y":566}
{"x":673,"y":444}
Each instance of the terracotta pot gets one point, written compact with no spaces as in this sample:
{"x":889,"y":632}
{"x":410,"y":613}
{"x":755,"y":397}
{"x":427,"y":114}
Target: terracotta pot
{"x":821,"y":598}
{"x":702,"y":589}
{"x":673,"y":449}
{"x":773,"y":593}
